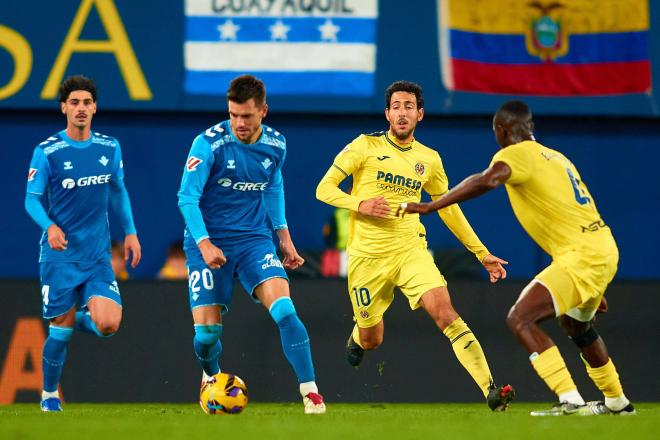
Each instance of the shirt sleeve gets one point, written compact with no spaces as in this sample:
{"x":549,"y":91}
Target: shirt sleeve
{"x":39,"y":173}
{"x":452,"y":216}
{"x":195,"y":174}
{"x":455,"y":220}
{"x":519,"y":161}
{"x":438,"y":184}
{"x":122,"y":206}
{"x":119,"y":198}
{"x":350,"y":159}
{"x":36,"y":210}
{"x":118,"y":164}
{"x":273,"y":197}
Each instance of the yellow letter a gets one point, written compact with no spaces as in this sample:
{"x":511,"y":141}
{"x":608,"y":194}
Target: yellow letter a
{"x":117,"y":44}
{"x":27,"y":341}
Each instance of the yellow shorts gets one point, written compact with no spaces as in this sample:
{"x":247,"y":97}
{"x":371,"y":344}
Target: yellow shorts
{"x":577,"y":282}
{"x":371,"y":282}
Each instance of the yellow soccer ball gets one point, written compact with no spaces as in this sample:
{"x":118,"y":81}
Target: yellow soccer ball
{"x":223,"y":393}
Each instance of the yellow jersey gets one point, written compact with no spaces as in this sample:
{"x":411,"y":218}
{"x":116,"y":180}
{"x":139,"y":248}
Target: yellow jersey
{"x":382,"y":167}
{"x":551,"y":201}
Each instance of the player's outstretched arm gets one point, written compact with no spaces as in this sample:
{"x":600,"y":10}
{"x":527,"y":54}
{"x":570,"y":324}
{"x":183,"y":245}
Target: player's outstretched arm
{"x":291,"y":258}
{"x":471,"y":187}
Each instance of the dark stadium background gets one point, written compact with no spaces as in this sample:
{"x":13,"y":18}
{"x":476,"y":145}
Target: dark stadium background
{"x":613,"y":141}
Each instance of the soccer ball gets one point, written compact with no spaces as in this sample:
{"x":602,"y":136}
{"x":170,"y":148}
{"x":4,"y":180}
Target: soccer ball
{"x":223,"y":394}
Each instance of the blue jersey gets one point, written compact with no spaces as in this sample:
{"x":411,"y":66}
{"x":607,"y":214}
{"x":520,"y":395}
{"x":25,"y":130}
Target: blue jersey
{"x":237,"y":187}
{"x":75,"y":176}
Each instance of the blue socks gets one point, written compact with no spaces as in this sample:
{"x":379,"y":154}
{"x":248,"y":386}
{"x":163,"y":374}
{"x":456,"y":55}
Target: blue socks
{"x":54,"y":355}
{"x":85,"y":324}
{"x":208,"y":347}
{"x":295,"y":340}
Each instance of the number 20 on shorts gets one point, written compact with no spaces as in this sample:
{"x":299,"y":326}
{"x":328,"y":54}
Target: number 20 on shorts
{"x":206,"y":278}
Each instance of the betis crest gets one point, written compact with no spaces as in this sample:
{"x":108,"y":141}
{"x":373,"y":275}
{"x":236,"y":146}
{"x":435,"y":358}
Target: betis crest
{"x":546,"y":38}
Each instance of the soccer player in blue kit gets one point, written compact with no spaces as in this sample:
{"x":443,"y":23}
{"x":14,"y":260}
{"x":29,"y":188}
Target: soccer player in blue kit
{"x":231,"y":199}
{"x":78,"y":171}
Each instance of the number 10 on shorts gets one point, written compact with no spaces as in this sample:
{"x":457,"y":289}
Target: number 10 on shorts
{"x":362,"y":297}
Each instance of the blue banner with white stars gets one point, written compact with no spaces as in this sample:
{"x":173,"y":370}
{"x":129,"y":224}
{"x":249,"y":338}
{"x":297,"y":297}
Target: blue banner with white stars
{"x":321,"y":48}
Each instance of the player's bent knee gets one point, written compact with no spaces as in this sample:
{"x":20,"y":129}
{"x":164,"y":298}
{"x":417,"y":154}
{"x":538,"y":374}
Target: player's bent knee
{"x":281,"y":308}
{"x":208,"y":334}
{"x":586,"y":338}
{"x":107,"y":328}
{"x":370,"y":340}
{"x":371,"y":343}
{"x":515,"y":322}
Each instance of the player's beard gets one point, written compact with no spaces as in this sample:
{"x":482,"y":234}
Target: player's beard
{"x":403,"y":135}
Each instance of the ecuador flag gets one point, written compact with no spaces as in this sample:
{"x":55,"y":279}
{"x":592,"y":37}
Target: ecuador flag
{"x":545,"y":47}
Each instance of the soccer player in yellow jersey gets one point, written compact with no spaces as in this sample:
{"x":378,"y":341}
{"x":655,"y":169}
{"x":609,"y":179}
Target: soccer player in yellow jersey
{"x":386,"y":252}
{"x":556,"y":209}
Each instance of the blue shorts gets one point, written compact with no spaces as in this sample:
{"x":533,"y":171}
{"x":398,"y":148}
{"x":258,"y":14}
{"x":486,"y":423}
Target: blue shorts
{"x":68,"y":284}
{"x":252,"y":262}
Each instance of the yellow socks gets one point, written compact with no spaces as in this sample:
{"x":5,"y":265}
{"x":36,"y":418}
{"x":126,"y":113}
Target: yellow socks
{"x":606,"y":379}
{"x":550,"y":366}
{"x":356,"y":336}
{"x":469,"y":353}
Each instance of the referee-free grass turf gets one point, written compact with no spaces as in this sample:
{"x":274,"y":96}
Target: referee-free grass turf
{"x":269,"y":421}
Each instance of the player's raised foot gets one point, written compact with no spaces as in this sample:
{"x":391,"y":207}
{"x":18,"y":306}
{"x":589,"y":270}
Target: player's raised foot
{"x":599,"y":408}
{"x":354,"y":353}
{"x":314,"y":403}
{"x":499,"y":397}
{"x":205,"y":380}
{"x":52,"y":404}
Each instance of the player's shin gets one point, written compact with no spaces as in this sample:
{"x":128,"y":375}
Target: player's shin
{"x":469,"y":353}
{"x":550,"y":366}
{"x":54,"y":355}
{"x":208,"y":347}
{"x":607,"y":380}
{"x":295,"y":340}
{"x":356,"y":336}
{"x":85,"y":324}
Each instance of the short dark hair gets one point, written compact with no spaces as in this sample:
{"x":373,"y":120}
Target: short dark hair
{"x":404,"y":86}
{"x":516,"y":109}
{"x":76,"y":82}
{"x":245,"y":87}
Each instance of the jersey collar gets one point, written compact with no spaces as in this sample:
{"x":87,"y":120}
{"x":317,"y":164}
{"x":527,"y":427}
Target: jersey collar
{"x":74,"y":143}
{"x":238,"y":141}
{"x":393,"y":143}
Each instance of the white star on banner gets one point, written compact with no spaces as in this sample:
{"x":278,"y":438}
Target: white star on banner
{"x":329,"y":31}
{"x":228,"y":30}
{"x":279,"y":30}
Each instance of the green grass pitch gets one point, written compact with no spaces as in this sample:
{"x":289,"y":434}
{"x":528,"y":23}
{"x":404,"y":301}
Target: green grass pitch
{"x":270,"y":421}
